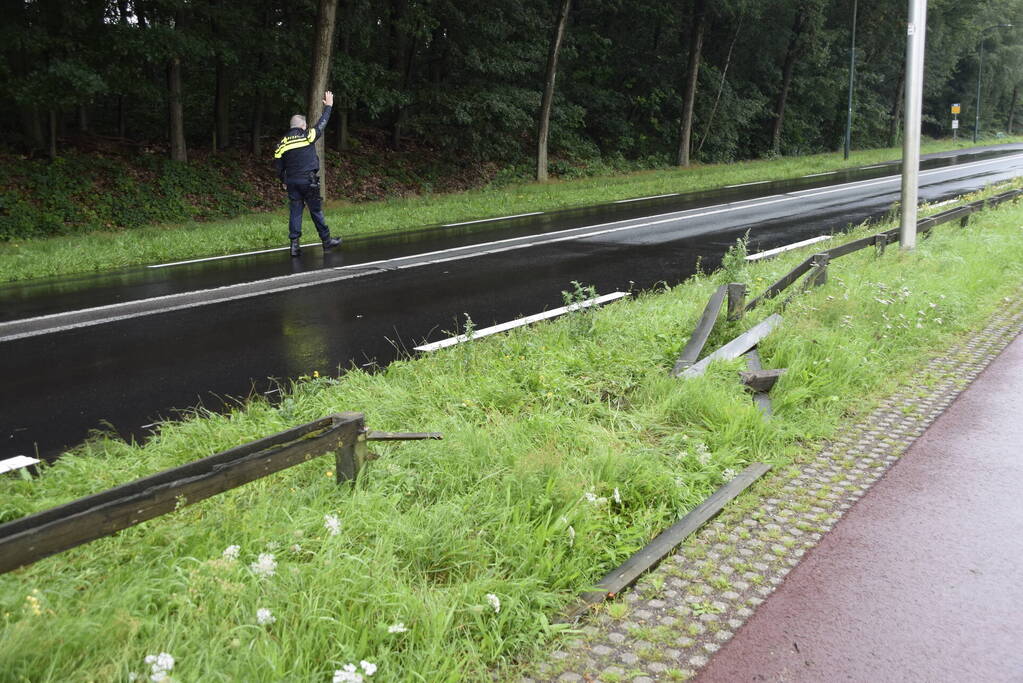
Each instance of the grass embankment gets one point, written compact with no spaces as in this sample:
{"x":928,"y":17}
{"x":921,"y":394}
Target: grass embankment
{"x":26,"y":259}
{"x":542,"y":427}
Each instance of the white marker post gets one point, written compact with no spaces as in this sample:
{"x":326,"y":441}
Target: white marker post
{"x":916,"y":32}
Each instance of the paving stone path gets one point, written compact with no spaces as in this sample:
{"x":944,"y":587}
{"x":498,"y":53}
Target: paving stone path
{"x":675,"y":618}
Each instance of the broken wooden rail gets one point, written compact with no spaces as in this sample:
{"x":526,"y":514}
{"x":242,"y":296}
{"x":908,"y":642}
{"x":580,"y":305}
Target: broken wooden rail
{"x":654,"y":552}
{"x":36,"y":536}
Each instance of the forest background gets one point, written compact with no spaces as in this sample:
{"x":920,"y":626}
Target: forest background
{"x":118,"y":114}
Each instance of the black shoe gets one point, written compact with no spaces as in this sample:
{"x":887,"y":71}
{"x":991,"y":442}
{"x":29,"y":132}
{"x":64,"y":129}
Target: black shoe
{"x":295,"y":248}
{"x":331,"y":242}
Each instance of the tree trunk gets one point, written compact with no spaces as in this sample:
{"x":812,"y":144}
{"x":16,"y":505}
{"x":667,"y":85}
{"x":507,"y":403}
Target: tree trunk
{"x":342,"y":142}
{"x":896,"y":110}
{"x":257,"y":124}
{"x":1012,"y":109}
{"x":221,"y":103}
{"x":696,"y":32}
{"x":323,"y":44}
{"x":178,"y":151}
{"x":791,"y":55}
{"x":83,"y":119}
{"x":721,"y":87}
{"x":52,"y":147}
{"x":543,"y":129}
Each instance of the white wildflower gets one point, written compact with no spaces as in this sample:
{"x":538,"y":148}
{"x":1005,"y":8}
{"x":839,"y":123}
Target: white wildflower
{"x":347,"y":674}
{"x":592,"y":498}
{"x":495,"y":601}
{"x":937,"y":320}
{"x":728,"y":474}
{"x":702,"y":453}
{"x":397,"y":628}
{"x":571,"y":535}
{"x":231,"y":552}
{"x":333,"y":524}
{"x":617,"y":496}
{"x":296,"y":548}
{"x":266,"y":565}
{"x":264,"y":616}
{"x":132,"y":676}
{"x":159,"y":666}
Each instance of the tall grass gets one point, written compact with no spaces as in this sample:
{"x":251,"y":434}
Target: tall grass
{"x":27,"y":259}
{"x":542,"y":426}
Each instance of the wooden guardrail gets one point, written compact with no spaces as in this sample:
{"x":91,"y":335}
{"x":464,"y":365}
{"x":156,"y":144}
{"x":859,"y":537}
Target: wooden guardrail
{"x":758,"y":380}
{"x":818,"y":262}
{"x":33,"y":537}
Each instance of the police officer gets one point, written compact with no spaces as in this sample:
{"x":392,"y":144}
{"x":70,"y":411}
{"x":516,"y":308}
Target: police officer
{"x":298,"y":167}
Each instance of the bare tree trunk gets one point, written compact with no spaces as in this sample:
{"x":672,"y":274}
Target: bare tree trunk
{"x":689,"y":96}
{"x":896,"y":110}
{"x":342,"y":143}
{"x":1012,"y":109}
{"x":791,"y":55}
{"x":547,"y":101}
{"x":721,"y":87}
{"x":323,"y":45}
{"x":221,"y":106}
{"x":178,"y":151}
{"x":257,"y":124}
{"x":52,"y":147}
{"x":83,"y":119}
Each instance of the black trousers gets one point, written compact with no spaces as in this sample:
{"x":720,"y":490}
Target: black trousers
{"x":301,"y":195}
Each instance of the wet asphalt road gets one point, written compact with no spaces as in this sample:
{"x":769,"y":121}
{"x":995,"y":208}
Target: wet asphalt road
{"x":131,"y":372}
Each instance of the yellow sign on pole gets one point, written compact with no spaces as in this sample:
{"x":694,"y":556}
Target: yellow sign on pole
{"x":956,"y":109}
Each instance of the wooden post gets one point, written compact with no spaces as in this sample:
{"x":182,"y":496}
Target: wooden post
{"x":880,"y":242}
{"x":736,"y":300}
{"x":819,"y":275}
{"x":964,"y":221}
{"x":351,"y":455}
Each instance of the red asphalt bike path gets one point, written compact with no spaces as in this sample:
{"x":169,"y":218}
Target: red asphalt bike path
{"x":922,"y":579}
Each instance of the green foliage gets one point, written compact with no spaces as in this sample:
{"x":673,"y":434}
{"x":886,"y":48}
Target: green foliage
{"x":79,"y":193}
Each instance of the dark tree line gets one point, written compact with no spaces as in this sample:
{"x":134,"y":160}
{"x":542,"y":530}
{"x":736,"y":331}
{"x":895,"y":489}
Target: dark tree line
{"x":657,"y":80}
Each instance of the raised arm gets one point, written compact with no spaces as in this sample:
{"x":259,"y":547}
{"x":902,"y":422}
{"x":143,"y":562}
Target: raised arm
{"x":328,"y":105}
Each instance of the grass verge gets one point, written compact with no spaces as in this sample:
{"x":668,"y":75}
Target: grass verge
{"x":27,"y":259}
{"x":567,"y":448}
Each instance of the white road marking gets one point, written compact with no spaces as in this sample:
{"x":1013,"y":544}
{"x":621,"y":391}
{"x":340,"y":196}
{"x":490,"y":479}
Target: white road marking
{"x":867,"y":168}
{"x":218,"y":258}
{"x":758,"y":182}
{"x":16,"y":463}
{"x":487,"y":220}
{"x":814,"y":175}
{"x":639,"y":199}
{"x":788,"y":247}
{"x":521,"y":322}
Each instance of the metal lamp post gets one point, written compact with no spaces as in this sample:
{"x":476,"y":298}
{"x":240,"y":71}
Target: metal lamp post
{"x":916,"y":32}
{"x":852,"y":73}
{"x":980,"y":73}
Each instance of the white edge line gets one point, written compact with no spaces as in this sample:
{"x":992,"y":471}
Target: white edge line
{"x":16,"y":463}
{"x":866,"y":168}
{"x":487,"y":220}
{"x":758,"y":182}
{"x":521,"y":322}
{"x":787,"y":247}
{"x":218,"y":258}
{"x":639,"y":199}
{"x":814,"y":175}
